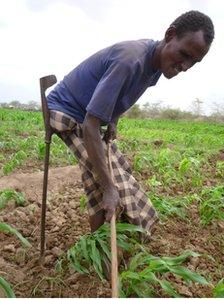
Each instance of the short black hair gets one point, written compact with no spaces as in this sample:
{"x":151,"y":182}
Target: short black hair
{"x":193,"y":21}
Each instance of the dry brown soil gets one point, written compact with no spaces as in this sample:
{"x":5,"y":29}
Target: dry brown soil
{"x":66,"y":222}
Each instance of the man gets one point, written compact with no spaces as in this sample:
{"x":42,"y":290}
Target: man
{"x":104,"y":86}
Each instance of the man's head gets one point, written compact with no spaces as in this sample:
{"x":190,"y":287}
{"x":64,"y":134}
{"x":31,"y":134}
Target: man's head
{"x":186,"y":42}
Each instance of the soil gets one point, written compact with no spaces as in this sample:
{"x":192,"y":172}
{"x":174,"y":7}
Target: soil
{"x":66,"y":222}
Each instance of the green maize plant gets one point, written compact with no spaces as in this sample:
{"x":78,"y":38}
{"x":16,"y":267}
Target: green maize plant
{"x":16,"y":160}
{"x":9,"y":194}
{"x":146,"y":271}
{"x":189,"y":168}
{"x":8,"y":229}
{"x":220,"y":168}
{"x":93,"y":248}
{"x":24,"y":131}
{"x":23,"y":135}
{"x":218,"y":291}
{"x":170,"y":206}
{"x":83,"y":203}
{"x":5,"y":286}
{"x":153,"y":182}
{"x":211,"y":205}
{"x":142,"y":162}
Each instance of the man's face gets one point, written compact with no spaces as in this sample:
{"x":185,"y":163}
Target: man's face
{"x":180,"y":54}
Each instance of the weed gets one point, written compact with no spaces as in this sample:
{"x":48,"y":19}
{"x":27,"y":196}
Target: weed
{"x":51,"y":281}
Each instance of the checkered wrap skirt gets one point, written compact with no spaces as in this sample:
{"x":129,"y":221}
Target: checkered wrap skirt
{"x":135,"y":206}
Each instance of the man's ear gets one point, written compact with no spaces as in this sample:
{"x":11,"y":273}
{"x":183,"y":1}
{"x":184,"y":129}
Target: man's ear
{"x":170,"y":33}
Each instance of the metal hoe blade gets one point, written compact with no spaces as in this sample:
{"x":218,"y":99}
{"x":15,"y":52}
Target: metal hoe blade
{"x":45,"y":83}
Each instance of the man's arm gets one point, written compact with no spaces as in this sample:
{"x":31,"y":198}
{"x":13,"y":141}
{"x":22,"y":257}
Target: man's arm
{"x":96,"y":153}
{"x":111,"y":132}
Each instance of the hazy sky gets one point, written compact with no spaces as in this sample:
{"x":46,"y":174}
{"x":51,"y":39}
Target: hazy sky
{"x":41,"y":37}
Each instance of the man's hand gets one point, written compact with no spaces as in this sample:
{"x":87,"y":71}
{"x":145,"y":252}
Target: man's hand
{"x":111,"y":132}
{"x":110,"y":202}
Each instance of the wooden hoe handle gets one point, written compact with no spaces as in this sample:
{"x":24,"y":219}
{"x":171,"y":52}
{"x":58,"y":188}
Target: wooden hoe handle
{"x":114,"y":264}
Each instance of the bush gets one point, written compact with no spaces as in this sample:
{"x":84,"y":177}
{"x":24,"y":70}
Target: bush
{"x":171,"y":114}
{"x":135,"y":112}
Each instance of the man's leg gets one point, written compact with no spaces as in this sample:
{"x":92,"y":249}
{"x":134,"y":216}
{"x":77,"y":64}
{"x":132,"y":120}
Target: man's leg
{"x":71,"y":133}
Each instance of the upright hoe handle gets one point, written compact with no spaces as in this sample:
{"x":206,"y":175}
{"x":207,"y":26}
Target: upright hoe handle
{"x":114,"y":263}
{"x":45,"y":83}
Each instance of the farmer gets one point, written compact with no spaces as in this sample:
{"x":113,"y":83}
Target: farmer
{"x":103,"y":87}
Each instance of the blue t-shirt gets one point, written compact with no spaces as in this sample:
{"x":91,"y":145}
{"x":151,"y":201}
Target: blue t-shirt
{"x":107,"y":83}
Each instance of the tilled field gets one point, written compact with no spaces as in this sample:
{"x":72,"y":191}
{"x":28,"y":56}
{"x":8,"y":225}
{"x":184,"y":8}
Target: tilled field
{"x":66,"y":222}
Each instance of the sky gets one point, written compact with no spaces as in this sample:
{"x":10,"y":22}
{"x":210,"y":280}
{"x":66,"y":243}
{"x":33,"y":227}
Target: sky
{"x":42,"y":37}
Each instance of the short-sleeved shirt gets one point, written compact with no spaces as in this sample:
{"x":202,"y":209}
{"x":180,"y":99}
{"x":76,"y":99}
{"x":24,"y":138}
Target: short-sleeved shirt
{"x":107,"y":83}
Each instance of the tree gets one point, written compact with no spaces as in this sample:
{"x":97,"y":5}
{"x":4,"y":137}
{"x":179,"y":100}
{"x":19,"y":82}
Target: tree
{"x":15,"y":104}
{"x":32,"y":105}
{"x":217,"y":108}
{"x":152,"y":110}
{"x":196,"y":107}
{"x":134,"y":112}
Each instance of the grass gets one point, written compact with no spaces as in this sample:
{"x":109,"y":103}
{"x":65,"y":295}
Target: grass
{"x":55,"y":282}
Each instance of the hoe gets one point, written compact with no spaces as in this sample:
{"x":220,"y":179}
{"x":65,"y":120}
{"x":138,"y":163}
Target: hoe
{"x":45,"y":83}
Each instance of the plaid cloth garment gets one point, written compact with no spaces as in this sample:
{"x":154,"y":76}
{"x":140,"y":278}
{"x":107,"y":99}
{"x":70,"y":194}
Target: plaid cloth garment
{"x":136,"y":207}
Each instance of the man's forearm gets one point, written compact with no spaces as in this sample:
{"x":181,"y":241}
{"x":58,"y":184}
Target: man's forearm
{"x":95,"y":150}
{"x":97,"y":156}
{"x":115,"y":120}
